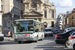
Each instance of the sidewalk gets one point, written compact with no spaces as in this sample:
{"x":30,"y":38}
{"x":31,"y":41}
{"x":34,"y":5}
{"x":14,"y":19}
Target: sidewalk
{"x":8,"y":39}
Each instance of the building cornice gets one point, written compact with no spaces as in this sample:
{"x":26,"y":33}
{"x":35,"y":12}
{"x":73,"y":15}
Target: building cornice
{"x":50,"y":19}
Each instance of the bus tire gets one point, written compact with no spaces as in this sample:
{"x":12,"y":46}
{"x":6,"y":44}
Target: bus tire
{"x":42,"y":38}
{"x":45,"y":35}
{"x":74,"y":47}
{"x":36,"y":39}
{"x":19,"y":42}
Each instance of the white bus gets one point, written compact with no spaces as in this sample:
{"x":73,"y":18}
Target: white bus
{"x":28,"y":30}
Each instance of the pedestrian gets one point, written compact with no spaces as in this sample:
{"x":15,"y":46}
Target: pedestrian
{"x":9,"y":34}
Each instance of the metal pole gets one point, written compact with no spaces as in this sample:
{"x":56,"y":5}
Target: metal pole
{"x":20,"y":17}
{"x":1,"y":17}
{"x":12,"y":27}
{"x":12,"y":24}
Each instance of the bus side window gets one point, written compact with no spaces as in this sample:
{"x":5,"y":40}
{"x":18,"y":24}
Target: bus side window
{"x":37,"y":30}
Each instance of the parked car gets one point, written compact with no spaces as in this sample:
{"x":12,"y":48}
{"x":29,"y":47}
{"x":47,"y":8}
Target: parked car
{"x":71,"y":41}
{"x":56,"y":31}
{"x":1,"y":37}
{"x":48,"y":31}
{"x":62,"y":38}
{"x":70,"y":28}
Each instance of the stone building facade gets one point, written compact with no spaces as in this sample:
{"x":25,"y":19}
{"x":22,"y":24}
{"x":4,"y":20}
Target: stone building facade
{"x":11,"y":10}
{"x":0,"y":18}
{"x":41,"y":10}
{"x":71,"y":19}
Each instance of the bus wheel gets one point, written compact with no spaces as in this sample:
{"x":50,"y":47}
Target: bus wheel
{"x":36,"y":39}
{"x":73,"y":47}
{"x":42,"y":38}
{"x":19,"y":42}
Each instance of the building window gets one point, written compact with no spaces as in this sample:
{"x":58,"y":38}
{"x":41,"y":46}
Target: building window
{"x":45,"y":14}
{"x":45,"y":24}
{"x":52,"y":13}
{"x":1,"y":7}
{"x":35,"y":19}
{"x":45,"y":7}
{"x":72,"y":16}
{"x":21,"y":1}
{"x":33,"y":5}
{"x":52,"y":23}
{"x":39,"y":19}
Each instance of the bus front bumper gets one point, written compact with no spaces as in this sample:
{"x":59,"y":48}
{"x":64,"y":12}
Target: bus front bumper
{"x":24,"y":39}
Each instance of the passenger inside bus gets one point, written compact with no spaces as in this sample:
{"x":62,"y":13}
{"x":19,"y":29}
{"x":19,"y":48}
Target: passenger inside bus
{"x":21,"y":28}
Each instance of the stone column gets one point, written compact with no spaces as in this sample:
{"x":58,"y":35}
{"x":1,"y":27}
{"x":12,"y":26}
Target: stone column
{"x":55,"y":14}
{"x":0,"y":18}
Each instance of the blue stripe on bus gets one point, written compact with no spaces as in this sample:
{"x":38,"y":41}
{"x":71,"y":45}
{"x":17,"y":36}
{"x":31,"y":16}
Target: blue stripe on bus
{"x":40,"y":32}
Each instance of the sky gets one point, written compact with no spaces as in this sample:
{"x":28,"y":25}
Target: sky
{"x":63,"y":5}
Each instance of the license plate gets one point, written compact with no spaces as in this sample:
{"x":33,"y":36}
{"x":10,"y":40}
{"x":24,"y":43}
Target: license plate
{"x":24,"y":40}
{"x":20,"y":35}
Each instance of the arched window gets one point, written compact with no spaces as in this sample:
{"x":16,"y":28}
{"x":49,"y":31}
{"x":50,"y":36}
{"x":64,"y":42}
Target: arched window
{"x":45,"y":24}
{"x":52,"y":13}
{"x":52,"y":23}
{"x":45,"y":14}
{"x":33,"y":5}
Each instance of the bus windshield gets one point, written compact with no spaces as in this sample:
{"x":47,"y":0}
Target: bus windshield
{"x":24,"y":26}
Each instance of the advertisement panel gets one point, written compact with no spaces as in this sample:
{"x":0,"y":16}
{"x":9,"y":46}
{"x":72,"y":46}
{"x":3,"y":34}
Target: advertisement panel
{"x":0,"y":20}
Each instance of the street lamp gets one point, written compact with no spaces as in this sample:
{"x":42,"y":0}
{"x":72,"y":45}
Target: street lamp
{"x":12,"y":24}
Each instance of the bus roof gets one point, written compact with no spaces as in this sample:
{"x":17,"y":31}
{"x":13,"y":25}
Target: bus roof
{"x":38,"y":21}
{"x":27,"y":20}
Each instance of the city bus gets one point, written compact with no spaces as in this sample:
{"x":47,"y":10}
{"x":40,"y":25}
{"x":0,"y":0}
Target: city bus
{"x":28,"y":30}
